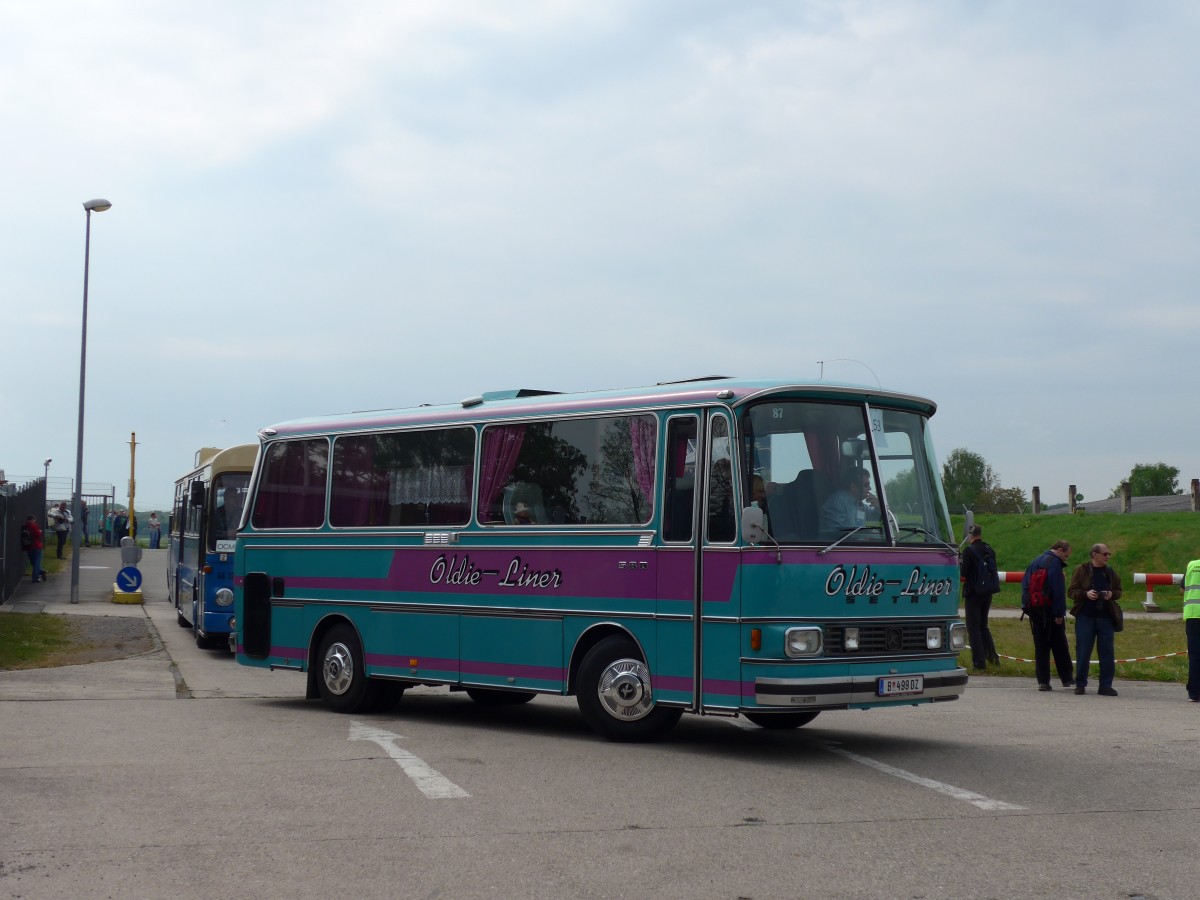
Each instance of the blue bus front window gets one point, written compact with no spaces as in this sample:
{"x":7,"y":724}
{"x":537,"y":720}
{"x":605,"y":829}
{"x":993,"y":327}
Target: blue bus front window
{"x":228,"y":493}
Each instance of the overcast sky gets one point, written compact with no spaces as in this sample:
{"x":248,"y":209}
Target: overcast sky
{"x":322,"y":207}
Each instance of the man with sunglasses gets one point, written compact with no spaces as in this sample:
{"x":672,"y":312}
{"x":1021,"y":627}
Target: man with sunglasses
{"x":1093,"y":585}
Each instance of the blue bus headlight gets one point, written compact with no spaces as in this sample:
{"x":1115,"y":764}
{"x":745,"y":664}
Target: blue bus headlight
{"x":224,"y":597}
{"x":800,"y":642}
{"x":850,"y":638}
{"x":933,"y":637}
{"x":958,"y":636}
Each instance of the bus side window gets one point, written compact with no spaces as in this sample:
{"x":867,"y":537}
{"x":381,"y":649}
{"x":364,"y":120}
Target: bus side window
{"x":680,"y":479}
{"x":721,"y":522}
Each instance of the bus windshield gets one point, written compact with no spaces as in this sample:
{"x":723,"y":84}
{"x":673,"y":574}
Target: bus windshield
{"x":228,"y":493}
{"x":826,"y":472}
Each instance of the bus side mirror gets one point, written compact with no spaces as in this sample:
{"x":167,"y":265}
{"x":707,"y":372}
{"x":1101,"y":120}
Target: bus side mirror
{"x":196,"y":494}
{"x":753,"y":523}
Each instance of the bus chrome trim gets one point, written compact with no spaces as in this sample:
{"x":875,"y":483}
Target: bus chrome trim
{"x":842,"y":660}
{"x":822,"y":693}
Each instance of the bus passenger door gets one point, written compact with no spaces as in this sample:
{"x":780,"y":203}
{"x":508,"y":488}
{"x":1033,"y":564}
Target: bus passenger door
{"x":717,"y":641}
{"x":673,"y":661}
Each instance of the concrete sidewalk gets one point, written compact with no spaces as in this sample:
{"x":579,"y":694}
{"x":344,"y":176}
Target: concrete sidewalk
{"x":98,"y":568}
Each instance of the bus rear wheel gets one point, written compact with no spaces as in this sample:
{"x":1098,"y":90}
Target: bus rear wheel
{"x":342,"y":679}
{"x":615,"y":696}
{"x":781,"y":720}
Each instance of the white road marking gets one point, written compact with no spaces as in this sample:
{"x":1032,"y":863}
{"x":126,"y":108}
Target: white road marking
{"x":429,"y":781}
{"x":950,"y":790}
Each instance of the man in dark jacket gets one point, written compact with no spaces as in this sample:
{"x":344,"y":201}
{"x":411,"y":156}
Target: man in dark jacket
{"x":1048,"y":622}
{"x":979,"y":560}
{"x":1093,"y":585}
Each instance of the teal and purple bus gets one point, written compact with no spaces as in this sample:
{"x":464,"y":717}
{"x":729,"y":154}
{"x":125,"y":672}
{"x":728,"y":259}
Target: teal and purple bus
{"x":724,"y":547}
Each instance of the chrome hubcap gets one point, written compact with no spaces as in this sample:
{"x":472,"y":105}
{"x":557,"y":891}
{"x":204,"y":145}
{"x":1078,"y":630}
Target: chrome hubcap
{"x":624,"y":690}
{"x":338,"y":668}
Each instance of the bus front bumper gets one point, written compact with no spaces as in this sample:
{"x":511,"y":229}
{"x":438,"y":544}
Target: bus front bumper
{"x":859,"y":690}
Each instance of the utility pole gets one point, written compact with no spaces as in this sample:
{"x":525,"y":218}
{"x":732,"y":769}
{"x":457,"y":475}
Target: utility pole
{"x":132,"y":484}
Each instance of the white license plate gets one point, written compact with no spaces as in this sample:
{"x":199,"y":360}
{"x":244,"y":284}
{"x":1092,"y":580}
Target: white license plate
{"x":894,"y":685}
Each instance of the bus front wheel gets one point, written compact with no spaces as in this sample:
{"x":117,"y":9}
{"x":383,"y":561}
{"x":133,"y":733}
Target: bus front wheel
{"x":342,"y":680}
{"x":779,"y":721}
{"x":615,"y":696}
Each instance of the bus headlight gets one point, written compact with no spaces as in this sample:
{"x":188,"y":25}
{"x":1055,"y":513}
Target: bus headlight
{"x":224,"y":597}
{"x":800,"y":642}
{"x":850,"y":638}
{"x":933,"y":637}
{"x":958,"y":636}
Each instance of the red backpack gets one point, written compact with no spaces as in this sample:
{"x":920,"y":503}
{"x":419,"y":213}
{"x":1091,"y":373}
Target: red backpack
{"x":1039,"y":598}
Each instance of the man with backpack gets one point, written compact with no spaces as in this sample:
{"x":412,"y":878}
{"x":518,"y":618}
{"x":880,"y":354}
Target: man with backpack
{"x":32,"y":544}
{"x":1044,"y":600}
{"x":981,"y":580}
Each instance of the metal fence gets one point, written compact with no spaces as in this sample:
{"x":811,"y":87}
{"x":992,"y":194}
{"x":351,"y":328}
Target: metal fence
{"x":17,"y":502}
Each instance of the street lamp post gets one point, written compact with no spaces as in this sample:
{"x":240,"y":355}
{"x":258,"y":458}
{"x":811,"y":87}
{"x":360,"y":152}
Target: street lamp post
{"x":76,"y":502}
{"x":46,"y":477}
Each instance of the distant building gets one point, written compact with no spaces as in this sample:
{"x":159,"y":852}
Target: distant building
{"x":1169,"y":503}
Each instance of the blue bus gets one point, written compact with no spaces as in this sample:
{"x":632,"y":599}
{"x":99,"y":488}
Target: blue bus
{"x":207,"y":507}
{"x":725,"y":547}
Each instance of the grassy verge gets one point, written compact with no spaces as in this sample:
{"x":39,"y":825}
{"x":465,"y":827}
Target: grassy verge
{"x":30,"y":639}
{"x":1141,"y":542}
{"x":1141,"y":638}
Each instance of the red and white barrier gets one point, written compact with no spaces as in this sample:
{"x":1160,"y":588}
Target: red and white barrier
{"x":1150,"y":579}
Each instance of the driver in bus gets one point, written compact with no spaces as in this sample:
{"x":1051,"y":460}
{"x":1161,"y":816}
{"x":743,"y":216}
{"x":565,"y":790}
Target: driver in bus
{"x":852,"y":505}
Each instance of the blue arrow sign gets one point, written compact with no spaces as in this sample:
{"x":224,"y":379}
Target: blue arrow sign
{"x":129,"y":579}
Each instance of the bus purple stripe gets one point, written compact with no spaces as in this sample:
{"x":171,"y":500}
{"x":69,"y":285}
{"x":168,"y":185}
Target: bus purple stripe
{"x":412,"y":661}
{"x":914,"y":556}
{"x":615,"y":572}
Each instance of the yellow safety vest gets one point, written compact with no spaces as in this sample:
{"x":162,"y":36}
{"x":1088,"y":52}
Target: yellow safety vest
{"x":1191,"y":590}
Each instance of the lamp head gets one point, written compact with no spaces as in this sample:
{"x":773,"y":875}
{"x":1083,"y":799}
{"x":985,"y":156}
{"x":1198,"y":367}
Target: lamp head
{"x":48,"y":461}
{"x":97,"y":205}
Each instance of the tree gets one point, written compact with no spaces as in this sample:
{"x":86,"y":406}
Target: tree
{"x":1001,"y":500}
{"x":1146,"y":480}
{"x":965,"y":476}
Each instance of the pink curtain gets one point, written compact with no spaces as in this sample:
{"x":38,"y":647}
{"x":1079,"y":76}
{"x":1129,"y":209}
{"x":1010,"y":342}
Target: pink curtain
{"x":642,"y":434}
{"x":501,"y":447}
{"x":823,"y":450}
